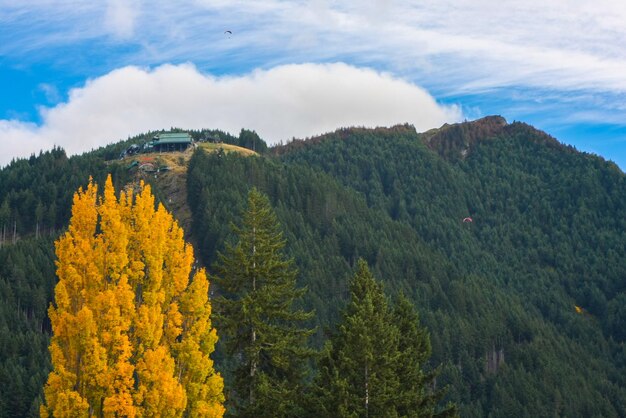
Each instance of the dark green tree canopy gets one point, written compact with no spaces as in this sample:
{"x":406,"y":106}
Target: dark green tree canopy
{"x":259,"y":322}
{"x":498,"y":295}
{"x":373,"y":366}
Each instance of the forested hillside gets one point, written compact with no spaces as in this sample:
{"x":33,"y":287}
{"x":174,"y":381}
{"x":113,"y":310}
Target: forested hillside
{"x":526,"y":304}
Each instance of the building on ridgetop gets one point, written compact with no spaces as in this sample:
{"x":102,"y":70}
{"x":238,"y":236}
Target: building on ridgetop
{"x":171,"y":141}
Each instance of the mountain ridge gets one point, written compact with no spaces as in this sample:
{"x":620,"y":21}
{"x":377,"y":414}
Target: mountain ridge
{"x":498,"y":294}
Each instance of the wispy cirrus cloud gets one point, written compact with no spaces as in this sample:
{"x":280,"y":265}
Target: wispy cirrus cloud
{"x":120,"y":17}
{"x":454,"y":45}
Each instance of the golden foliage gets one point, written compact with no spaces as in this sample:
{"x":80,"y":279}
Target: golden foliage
{"x":132,"y":334}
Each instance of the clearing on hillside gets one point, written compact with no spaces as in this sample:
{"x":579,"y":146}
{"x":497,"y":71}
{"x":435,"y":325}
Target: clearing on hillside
{"x":167,"y":172}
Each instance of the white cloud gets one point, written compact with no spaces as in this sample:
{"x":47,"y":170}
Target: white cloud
{"x":120,"y":17}
{"x":50,"y":92}
{"x":280,"y":103}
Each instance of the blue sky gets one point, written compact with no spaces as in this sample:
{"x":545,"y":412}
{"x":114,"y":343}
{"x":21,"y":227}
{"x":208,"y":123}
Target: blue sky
{"x":81,"y":74}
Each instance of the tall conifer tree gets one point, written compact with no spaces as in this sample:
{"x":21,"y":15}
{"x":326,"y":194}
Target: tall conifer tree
{"x":261,"y":328}
{"x":358,"y":376}
{"x":131,"y":323}
{"x":373,"y":365}
{"x":417,"y":396}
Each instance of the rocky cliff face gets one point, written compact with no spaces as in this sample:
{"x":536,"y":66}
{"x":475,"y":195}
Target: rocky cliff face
{"x":455,"y":141}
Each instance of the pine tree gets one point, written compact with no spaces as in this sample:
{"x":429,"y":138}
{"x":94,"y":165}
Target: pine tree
{"x":5,"y":213}
{"x":374,"y":362}
{"x":131,"y":324}
{"x":417,"y":396}
{"x":261,"y":328}
{"x":358,"y":376}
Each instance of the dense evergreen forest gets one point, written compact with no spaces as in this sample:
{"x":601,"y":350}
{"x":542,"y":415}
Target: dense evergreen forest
{"x":526,"y":304}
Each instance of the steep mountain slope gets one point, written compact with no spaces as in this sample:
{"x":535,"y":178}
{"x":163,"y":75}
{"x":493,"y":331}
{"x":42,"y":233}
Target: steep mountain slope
{"x":536,"y":204}
{"x":548,"y":234}
{"x":526,"y":304}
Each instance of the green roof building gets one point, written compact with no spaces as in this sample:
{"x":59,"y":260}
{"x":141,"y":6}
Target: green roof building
{"x":171,"y":141}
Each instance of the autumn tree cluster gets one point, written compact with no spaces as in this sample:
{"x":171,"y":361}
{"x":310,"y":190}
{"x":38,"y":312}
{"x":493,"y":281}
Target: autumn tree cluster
{"x":132,"y":333}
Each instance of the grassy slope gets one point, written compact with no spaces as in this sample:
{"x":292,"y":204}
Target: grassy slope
{"x":170,"y":186}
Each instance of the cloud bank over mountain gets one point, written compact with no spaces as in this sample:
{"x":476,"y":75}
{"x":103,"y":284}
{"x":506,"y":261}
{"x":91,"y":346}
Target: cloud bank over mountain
{"x":280,"y":103}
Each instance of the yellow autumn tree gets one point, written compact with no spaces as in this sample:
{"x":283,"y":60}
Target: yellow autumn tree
{"x":132,"y":334}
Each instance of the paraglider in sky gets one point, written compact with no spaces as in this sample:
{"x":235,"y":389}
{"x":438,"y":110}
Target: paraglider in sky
{"x":228,"y":32}
{"x":468,"y":219}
